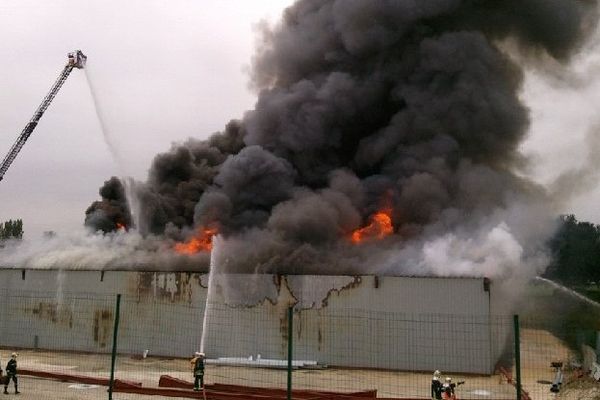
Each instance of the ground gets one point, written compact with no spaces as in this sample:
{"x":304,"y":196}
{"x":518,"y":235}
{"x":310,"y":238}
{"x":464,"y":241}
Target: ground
{"x":584,"y":389}
{"x":148,"y":371}
{"x":538,"y":349}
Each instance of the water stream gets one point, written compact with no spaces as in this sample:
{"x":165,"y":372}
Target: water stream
{"x":60,"y":283}
{"x":130,"y":195}
{"x":210,"y":290}
{"x":569,"y":291}
{"x":100,"y":114}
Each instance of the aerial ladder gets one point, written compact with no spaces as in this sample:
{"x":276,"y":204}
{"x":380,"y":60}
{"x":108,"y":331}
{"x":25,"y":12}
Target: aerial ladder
{"x":75,"y":59}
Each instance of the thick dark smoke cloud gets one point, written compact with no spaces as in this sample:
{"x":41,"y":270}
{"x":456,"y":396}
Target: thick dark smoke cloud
{"x":407,"y":102}
{"x":112,"y":211}
{"x":176,"y":181}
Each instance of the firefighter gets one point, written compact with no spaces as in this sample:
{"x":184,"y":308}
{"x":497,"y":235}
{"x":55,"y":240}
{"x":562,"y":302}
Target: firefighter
{"x":11,"y":373}
{"x":436,"y":385}
{"x":198,"y":368}
{"x":1,"y":376}
{"x":448,"y":389}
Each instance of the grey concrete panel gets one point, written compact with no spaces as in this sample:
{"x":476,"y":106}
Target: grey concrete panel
{"x":404,"y":323}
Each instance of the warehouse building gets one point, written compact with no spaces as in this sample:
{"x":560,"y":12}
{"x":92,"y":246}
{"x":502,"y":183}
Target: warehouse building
{"x":383,"y":322}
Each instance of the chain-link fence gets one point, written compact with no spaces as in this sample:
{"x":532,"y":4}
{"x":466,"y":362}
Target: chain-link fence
{"x":65,"y":349}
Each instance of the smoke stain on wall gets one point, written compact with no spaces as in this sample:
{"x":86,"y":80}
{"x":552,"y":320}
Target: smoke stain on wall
{"x":354,"y":284}
{"x":319,"y":331}
{"x":102,"y":327}
{"x":165,"y":286}
{"x":54,"y":312}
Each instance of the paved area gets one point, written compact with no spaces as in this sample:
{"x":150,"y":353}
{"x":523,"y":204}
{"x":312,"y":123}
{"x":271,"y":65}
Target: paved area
{"x":539,"y":348}
{"x":148,"y":371}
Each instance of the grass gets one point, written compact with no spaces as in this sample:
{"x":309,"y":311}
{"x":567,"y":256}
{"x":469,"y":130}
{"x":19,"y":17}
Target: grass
{"x":567,"y":317}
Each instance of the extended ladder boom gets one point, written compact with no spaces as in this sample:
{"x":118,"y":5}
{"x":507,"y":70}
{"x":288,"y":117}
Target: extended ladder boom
{"x":76,"y":59}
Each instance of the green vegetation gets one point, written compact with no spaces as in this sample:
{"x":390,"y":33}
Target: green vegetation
{"x":576,"y":264}
{"x":576,"y":256}
{"x":591,"y":291}
{"x":567,"y":317}
{"x":11,"y":229}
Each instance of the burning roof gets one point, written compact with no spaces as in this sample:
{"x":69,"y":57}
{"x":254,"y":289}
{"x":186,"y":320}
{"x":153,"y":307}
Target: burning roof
{"x":358,"y":102}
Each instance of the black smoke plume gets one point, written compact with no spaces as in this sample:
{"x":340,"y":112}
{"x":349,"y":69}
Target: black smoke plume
{"x":416,"y":101}
{"x":112,"y":211}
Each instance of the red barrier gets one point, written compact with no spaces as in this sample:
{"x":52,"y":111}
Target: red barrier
{"x":220,"y":391}
{"x":234,"y":391}
{"x":174,"y":387}
{"x":90,"y":380}
{"x":508,"y":376}
{"x":160,"y":392}
{"x":170,"y":382}
{"x":372,"y":394}
{"x":217,"y":395}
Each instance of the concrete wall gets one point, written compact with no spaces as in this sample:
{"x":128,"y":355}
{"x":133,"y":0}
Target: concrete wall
{"x":379,"y":322}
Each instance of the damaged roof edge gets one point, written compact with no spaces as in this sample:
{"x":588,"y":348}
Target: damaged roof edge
{"x":206,"y":270}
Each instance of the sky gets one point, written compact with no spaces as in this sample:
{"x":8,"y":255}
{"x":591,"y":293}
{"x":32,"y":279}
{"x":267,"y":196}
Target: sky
{"x":163,"y":71}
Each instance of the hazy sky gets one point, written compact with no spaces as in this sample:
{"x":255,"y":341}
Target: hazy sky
{"x":167,"y":70}
{"x":163,"y":71}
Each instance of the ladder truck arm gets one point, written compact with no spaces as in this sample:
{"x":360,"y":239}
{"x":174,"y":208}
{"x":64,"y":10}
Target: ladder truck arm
{"x":76,"y":59}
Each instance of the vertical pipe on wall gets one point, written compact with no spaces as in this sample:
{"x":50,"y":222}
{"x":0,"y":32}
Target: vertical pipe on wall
{"x":290,"y":335}
{"x":113,"y":357}
{"x":491,"y":326}
{"x":517,"y":356}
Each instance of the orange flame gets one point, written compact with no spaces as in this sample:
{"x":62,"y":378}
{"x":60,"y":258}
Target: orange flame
{"x":201,"y":242}
{"x":121,"y":226}
{"x":380,"y":226}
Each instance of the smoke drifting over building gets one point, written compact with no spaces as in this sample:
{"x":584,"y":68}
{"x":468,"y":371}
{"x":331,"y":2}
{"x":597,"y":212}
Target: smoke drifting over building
{"x":408,"y":106}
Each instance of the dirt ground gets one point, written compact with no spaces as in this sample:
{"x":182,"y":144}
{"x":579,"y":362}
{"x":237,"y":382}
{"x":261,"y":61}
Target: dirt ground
{"x":148,"y":371}
{"x":538,"y":349}
{"x":584,"y":389}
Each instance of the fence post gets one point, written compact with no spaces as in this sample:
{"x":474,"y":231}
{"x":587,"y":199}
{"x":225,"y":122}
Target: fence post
{"x":113,"y":357}
{"x":517,"y":356}
{"x":290,"y":318}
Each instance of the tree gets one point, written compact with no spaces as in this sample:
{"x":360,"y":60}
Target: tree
{"x":11,"y":229}
{"x":576,"y":252}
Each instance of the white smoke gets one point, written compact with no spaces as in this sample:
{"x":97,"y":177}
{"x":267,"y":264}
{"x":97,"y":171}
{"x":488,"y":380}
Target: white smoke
{"x":487,"y":254}
{"x":87,"y":250}
{"x":564,"y":140}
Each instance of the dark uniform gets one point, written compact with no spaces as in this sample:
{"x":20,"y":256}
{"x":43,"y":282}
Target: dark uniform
{"x":436,"y":389}
{"x":448,"y":390}
{"x":11,"y":373}
{"x":198,"y":373}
